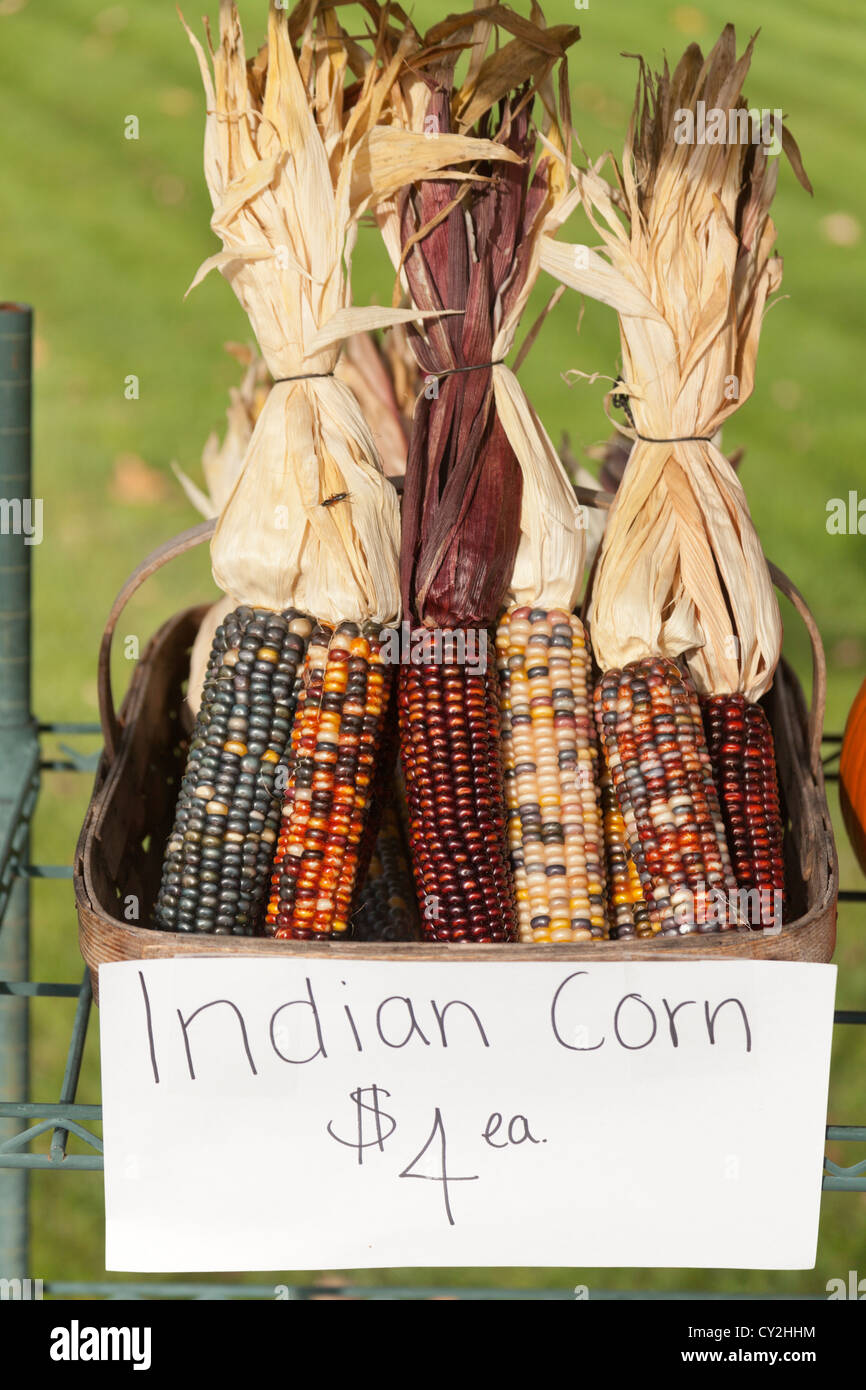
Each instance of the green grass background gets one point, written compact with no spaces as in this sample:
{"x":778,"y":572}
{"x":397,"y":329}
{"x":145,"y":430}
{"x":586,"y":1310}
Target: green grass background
{"x":103,"y":234}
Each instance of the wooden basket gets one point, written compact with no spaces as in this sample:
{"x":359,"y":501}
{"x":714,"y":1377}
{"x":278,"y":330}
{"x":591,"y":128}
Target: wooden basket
{"x":119,"y":856}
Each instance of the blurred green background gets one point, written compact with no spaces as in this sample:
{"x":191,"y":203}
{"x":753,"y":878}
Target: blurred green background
{"x":103,"y":234}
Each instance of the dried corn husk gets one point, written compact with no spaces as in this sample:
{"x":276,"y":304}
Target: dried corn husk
{"x":489,"y":515}
{"x":222,"y":462}
{"x":681,"y":571}
{"x":291,"y":168}
{"x":596,"y":517}
{"x":385,"y":379}
{"x":368,"y":370}
{"x":381,"y":376}
{"x":613,"y":455}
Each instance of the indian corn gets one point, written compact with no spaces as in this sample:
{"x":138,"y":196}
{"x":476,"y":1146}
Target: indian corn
{"x":335,"y":741}
{"x":740,"y":743}
{"x":627,"y":915}
{"x":385,"y":908}
{"x":550,"y":761}
{"x":449,"y":743}
{"x":649,"y":722}
{"x":218,"y":856}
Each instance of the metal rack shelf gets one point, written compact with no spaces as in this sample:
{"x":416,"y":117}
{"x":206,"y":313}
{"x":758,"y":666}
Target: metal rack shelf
{"x":23,"y":1121}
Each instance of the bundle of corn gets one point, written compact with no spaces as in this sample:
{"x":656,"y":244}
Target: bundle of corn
{"x":311,"y":523}
{"x":548,"y":744}
{"x":487,"y":507}
{"x":285,"y":150}
{"x":681,"y":572}
{"x":377,"y":374}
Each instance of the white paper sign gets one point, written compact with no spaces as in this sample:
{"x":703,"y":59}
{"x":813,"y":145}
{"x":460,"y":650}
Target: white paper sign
{"x":324,"y":1114}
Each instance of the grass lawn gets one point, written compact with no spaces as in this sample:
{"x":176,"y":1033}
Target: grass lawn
{"x":102,"y":234}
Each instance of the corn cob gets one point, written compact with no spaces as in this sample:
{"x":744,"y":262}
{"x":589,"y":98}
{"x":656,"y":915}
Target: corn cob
{"x":649,"y":722}
{"x":627,"y":914}
{"x":335,"y":739}
{"x":385,"y":908}
{"x":218,"y":856}
{"x":550,"y":761}
{"x":382,"y":788}
{"x":740,"y":743}
{"x":449,"y":743}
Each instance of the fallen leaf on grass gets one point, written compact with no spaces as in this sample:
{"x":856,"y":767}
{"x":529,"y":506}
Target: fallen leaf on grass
{"x":133,"y":481}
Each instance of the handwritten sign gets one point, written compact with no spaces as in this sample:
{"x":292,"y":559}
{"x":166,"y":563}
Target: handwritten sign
{"x":325,"y":1114}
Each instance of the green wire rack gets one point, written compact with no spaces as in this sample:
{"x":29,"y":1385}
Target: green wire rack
{"x":24,"y":1121}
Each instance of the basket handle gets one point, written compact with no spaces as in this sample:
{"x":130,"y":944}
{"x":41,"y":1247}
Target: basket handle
{"x":818,"y":704}
{"x":604,"y":500}
{"x":169,"y":550}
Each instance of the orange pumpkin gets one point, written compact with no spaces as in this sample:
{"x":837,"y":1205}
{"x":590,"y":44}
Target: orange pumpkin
{"x":852,"y":776}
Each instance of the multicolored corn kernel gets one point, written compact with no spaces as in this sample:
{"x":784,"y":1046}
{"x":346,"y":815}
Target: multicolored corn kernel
{"x":627,"y":915}
{"x":743,"y":757}
{"x":335,"y":742}
{"x":551,"y":765}
{"x":218,"y":857}
{"x":649,"y":722}
{"x":383,"y":787}
{"x":449,"y":745}
{"x":385,"y":907}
